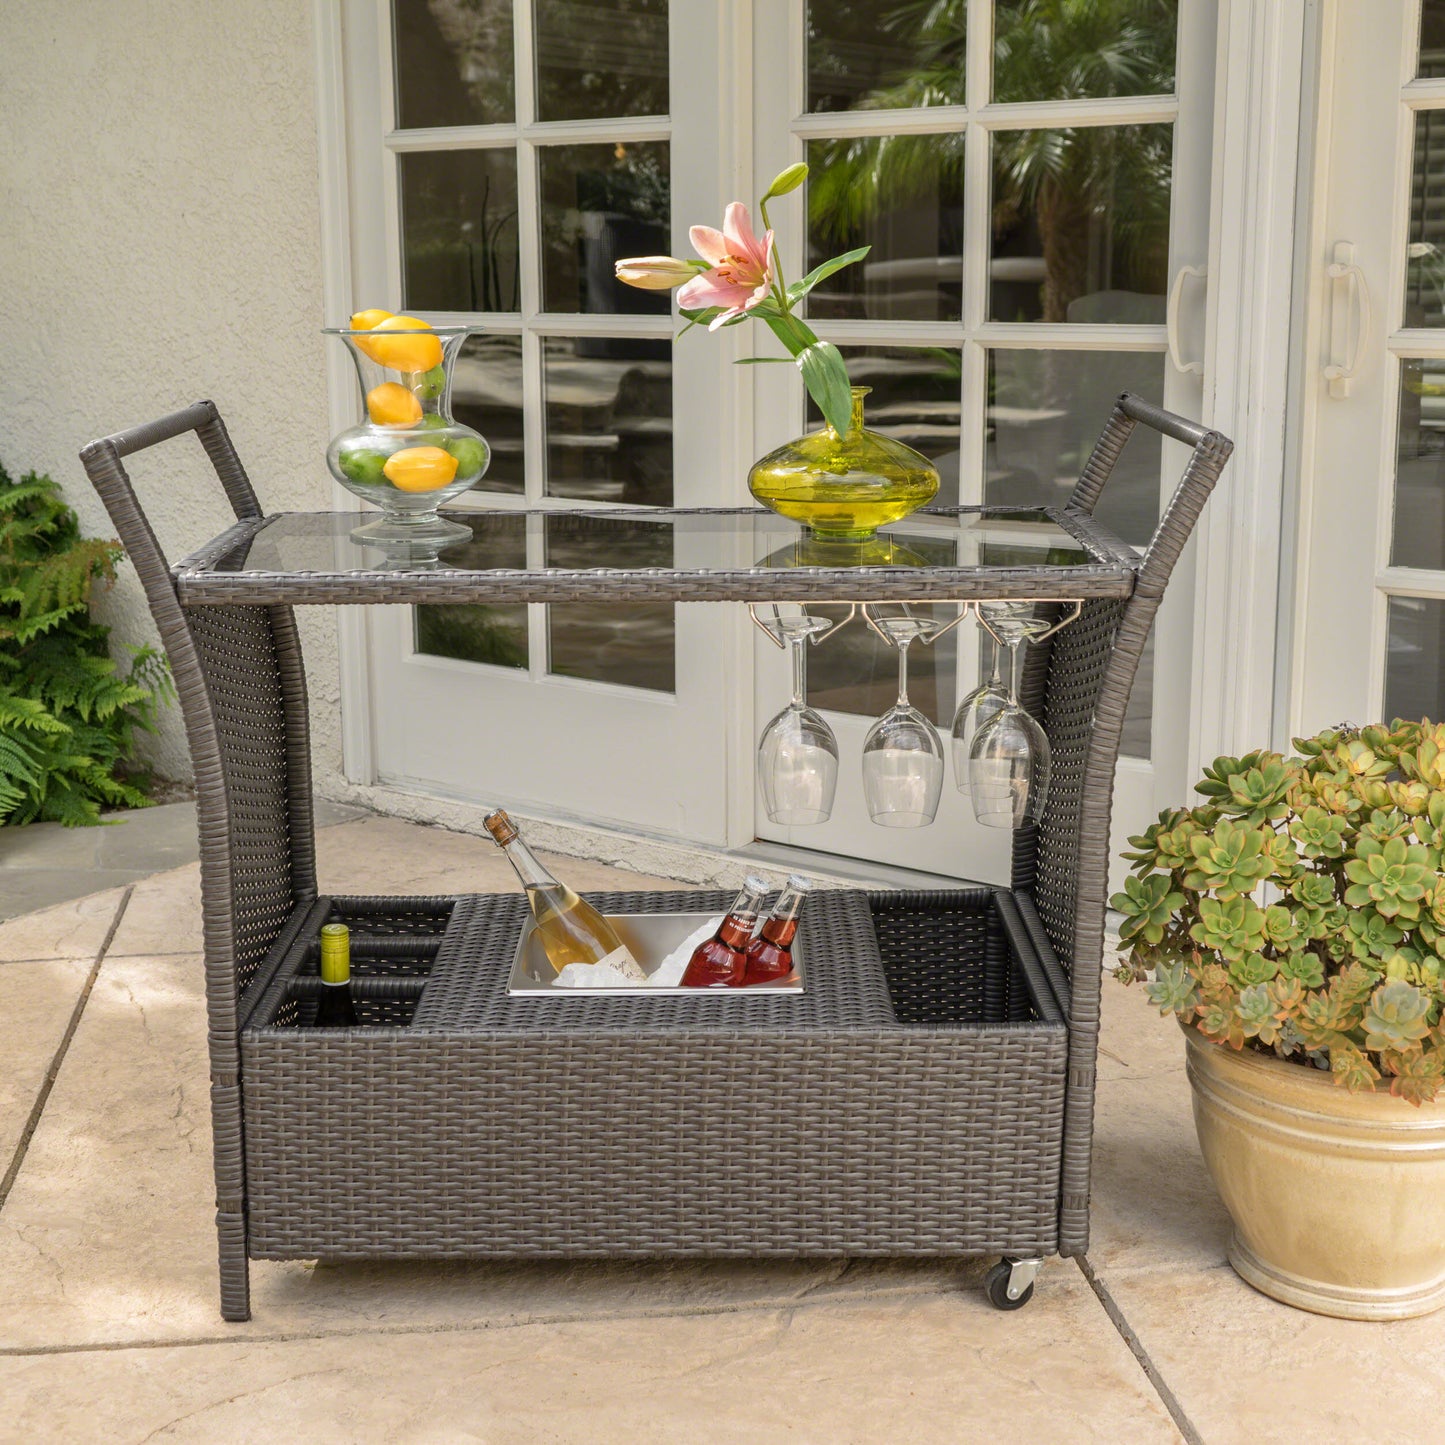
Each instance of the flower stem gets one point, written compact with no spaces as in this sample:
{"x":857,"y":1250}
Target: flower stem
{"x":780,"y":287}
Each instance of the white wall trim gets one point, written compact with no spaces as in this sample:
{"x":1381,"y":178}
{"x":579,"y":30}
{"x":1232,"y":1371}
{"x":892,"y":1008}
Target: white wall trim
{"x":1252,"y":267}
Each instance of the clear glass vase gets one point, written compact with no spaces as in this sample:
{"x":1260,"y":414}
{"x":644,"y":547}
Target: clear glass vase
{"x":844,"y":488}
{"x":408,"y":457}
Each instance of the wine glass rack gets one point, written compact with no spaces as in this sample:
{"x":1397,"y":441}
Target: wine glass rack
{"x":930,"y":1094}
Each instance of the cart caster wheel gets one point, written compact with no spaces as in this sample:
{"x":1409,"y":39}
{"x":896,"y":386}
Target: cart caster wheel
{"x":1010,"y":1283}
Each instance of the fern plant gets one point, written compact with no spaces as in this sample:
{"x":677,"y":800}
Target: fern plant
{"x":68,"y":716}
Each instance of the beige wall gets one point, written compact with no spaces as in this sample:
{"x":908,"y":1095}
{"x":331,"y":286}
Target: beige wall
{"x":160,"y":243}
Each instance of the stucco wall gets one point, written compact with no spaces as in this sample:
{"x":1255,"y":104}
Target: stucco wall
{"x":159,"y":243}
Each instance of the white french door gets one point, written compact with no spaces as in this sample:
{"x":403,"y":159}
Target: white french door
{"x":1370,"y":618}
{"x":503,"y":153}
{"x":1034,"y":181}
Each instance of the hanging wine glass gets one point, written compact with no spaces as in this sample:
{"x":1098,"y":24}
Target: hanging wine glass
{"x":1009,"y":758}
{"x":976,"y":709}
{"x":903,"y":754}
{"x":797,"y":753}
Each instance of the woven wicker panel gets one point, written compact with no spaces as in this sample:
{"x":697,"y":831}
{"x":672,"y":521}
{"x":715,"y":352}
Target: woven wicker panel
{"x":1076,"y":663}
{"x":238,"y":651}
{"x":539,"y":1143}
{"x":844,"y":986}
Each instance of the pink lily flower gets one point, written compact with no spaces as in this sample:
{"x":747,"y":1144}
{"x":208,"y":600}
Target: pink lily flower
{"x":741,"y":267}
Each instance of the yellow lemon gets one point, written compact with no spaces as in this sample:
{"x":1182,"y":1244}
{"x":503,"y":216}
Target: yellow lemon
{"x":420,"y":469}
{"x":391,"y":404}
{"x":416,"y":348}
{"x":365,"y":320}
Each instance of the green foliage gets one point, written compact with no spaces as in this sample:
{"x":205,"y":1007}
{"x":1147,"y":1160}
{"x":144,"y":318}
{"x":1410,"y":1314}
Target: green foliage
{"x":68,"y":717}
{"x":1301,"y":910}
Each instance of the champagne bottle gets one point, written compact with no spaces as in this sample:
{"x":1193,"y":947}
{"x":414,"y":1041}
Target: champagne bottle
{"x":570,"y":928}
{"x":770,"y":954}
{"x":335,"y":1008}
{"x":721,"y":961}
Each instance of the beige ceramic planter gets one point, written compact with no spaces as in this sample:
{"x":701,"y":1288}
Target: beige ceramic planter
{"x":1338,"y":1199}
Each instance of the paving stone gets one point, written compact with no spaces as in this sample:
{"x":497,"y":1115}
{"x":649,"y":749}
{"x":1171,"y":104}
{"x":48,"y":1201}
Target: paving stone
{"x":74,"y":929}
{"x":36,"y":1002}
{"x":937,"y":1369}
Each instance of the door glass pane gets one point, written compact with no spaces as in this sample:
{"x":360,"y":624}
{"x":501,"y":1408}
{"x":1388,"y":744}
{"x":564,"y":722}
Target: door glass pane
{"x":495,"y":635}
{"x":1081,"y":224}
{"x":1063,"y":50}
{"x":453,"y":62}
{"x":1425,"y":266}
{"x":1432,"y":39}
{"x":872,"y":54}
{"x":608,"y":420}
{"x":1415,"y":659}
{"x":1419,"y":535}
{"x":487,"y":395}
{"x":601,"y":58}
{"x":631,"y":645}
{"x":914,"y":399}
{"x":601,"y":203}
{"x":903,"y":196}
{"x":459,"y":230}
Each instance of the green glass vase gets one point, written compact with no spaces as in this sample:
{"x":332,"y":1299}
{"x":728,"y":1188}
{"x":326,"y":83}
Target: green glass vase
{"x":844,"y":488}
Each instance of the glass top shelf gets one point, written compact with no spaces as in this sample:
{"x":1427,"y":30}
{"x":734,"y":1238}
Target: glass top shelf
{"x":721,"y":555}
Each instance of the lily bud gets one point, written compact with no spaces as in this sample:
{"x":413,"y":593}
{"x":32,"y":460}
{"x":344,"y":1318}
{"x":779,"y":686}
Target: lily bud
{"x":655,"y":273}
{"x":788,"y":180}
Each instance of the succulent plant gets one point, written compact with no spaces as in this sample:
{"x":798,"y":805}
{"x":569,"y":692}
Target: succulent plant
{"x":1300,"y":910}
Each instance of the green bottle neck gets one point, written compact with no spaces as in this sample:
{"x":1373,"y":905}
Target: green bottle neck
{"x":855,"y":414}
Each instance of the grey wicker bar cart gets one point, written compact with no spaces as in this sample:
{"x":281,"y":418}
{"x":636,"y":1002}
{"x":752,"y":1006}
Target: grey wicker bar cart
{"x":932,"y":1091}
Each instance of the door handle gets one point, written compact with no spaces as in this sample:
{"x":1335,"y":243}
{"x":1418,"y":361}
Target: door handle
{"x":1171,"y":319}
{"x":1341,"y":373}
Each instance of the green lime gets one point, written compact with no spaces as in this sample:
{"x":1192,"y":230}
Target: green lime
{"x":472,"y":456}
{"x":431,"y":383}
{"x":429,"y":421}
{"x":363,"y":465}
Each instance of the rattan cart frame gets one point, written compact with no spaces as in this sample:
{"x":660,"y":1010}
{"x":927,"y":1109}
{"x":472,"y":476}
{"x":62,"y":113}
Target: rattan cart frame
{"x":934,"y":1097}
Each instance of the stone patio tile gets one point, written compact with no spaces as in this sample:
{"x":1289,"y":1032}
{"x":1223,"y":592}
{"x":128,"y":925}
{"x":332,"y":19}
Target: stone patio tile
{"x":1247,"y":1369}
{"x":939,"y":1369}
{"x":163,"y":915}
{"x":36,"y":1001}
{"x":74,"y":929}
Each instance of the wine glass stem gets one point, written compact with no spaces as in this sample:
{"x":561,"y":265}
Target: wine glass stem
{"x":995,"y":671}
{"x":1014,"y":645}
{"x":903,"y":673}
{"x":800,"y":670}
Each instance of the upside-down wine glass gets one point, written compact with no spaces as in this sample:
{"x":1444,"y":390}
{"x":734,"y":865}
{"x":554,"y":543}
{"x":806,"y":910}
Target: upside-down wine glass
{"x":797,"y":753}
{"x":1009,"y":758}
{"x":903,"y":754}
{"x":976,"y":709}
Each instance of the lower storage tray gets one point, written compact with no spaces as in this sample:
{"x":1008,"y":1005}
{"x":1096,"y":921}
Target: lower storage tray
{"x":910,"y":1102}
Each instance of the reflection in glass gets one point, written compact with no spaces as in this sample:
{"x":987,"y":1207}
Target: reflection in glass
{"x":487,"y":395}
{"x":914,"y":398}
{"x":1081,"y":224}
{"x":903,"y":196}
{"x":629,"y":645}
{"x":600,"y":58}
{"x":453,"y":62}
{"x":1419,"y":533}
{"x":608,"y":420}
{"x":1062,"y":50}
{"x":601,"y":203}
{"x":459,"y":230}
{"x":494,"y":634}
{"x":871,"y":54}
{"x":1046,"y":410}
{"x":1415,"y":659}
{"x":1425,"y":257}
{"x":1432,"y":39}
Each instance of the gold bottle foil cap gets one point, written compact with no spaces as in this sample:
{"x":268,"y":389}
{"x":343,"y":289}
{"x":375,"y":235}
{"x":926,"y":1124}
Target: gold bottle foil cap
{"x":335,"y":953}
{"x":500,"y":826}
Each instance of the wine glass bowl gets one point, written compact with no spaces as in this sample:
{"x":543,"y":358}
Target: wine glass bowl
{"x":903,"y":754}
{"x":798,"y":753}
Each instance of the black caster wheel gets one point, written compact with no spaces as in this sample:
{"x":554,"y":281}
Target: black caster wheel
{"x":996,"y":1286}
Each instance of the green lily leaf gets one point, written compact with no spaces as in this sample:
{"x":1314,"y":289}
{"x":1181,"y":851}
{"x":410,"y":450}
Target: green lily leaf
{"x":799,"y":289}
{"x":826,"y":377}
